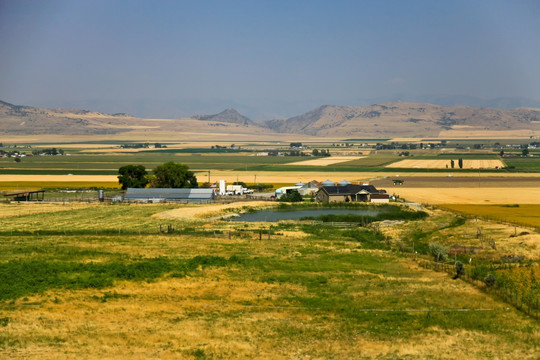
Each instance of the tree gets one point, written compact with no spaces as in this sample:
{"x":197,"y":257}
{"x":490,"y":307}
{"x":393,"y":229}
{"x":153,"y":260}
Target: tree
{"x":460,"y":269}
{"x":133,"y":176}
{"x":460,"y":163}
{"x":525,"y":152}
{"x":174,"y":175}
{"x":315,"y":152}
{"x":291,"y":196}
{"x":452,"y":164}
{"x":438,"y":251}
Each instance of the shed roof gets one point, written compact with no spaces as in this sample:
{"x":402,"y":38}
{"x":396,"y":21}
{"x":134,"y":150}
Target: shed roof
{"x":169,"y":194}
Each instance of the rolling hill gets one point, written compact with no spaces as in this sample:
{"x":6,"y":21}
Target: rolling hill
{"x":388,"y":120}
{"x":410,"y":120}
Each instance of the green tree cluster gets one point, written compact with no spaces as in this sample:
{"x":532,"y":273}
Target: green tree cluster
{"x":132,"y":176}
{"x":167,"y":175}
{"x":291,"y":196}
{"x":174,"y":175}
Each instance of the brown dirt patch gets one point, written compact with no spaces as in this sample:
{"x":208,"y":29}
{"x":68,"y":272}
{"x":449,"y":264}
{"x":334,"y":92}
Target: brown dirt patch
{"x":326,"y":161}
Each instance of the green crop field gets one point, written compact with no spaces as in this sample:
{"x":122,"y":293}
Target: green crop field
{"x":107,"y":161}
{"x":524,"y":164}
{"x":98,"y":281}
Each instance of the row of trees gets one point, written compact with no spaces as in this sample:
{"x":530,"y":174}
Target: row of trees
{"x":453,"y":164}
{"x":167,"y":175}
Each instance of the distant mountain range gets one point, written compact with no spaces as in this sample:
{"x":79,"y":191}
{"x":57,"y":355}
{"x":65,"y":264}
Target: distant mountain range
{"x":387,"y":120}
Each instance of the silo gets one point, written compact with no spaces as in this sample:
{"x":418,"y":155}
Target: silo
{"x":222,"y":187}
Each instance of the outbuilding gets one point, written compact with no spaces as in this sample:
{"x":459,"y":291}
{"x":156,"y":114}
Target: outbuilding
{"x":183,"y":195}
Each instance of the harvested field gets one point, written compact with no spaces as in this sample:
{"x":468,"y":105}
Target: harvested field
{"x":457,"y":133}
{"x":465,"y":195}
{"x":60,"y":178}
{"x":326,"y":161}
{"x":19,"y":209}
{"x":459,"y":181}
{"x":280,"y":177}
{"x":445,"y":164}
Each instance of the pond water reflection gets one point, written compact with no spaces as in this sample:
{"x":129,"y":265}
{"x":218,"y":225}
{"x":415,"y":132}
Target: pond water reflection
{"x":276,"y":215}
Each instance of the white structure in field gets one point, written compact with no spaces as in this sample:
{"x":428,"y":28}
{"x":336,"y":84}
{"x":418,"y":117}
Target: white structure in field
{"x":222,"y":190}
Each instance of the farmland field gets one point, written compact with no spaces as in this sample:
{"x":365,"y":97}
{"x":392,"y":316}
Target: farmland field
{"x":111,"y":285}
{"x":522,"y":213}
{"x":94,"y":280}
{"x":325,"y":161}
{"x":445,"y":164}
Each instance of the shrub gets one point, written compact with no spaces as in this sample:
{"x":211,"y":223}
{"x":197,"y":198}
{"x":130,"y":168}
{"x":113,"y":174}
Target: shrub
{"x":438,"y":251}
{"x":490,"y":280}
{"x":460,"y":269}
{"x":292,"y":196}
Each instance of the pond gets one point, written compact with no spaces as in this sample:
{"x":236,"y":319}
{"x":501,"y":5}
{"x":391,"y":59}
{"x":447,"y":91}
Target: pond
{"x":276,"y":215}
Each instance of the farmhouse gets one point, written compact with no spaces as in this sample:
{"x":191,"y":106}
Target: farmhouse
{"x":350,"y":192}
{"x":170,"y":195}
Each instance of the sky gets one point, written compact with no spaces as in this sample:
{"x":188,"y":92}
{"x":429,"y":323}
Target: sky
{"x":266,"y":59}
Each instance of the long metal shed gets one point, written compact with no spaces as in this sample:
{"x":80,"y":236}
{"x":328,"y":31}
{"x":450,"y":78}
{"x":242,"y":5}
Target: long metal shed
{"x":183,"y":195}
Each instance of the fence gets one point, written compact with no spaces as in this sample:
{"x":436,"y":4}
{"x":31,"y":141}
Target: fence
{"x":527,"y":303}
{"x":335,"y":224}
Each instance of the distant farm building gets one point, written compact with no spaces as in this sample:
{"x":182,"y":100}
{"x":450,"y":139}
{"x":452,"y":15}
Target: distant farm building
{"x":169,"y":195}
{"x":352,"y":193}
{"x":303,"y":189}
{"x":37,"y":195}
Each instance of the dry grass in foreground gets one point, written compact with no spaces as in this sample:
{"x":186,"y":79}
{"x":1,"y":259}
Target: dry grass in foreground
{"x":316,"y":292}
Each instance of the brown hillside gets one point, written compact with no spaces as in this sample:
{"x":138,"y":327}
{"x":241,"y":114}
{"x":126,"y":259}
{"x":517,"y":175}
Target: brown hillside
{"x":407,"y":120}
{"x":389,"y":120}
{"x":26,"y":120}
{"x":228,"y":116}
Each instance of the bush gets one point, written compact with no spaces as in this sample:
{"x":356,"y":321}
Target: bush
{"x":292,"y":196}
{"x":490,"y":280}
{"x":438,"y":251}
{"x":460,"y":269}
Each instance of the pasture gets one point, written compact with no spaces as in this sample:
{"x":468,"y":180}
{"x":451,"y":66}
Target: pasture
{"x":166,"y":281}
{"x":102,"y":281}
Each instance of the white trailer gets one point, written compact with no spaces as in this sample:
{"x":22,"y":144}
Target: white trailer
{"x":235,"y":189}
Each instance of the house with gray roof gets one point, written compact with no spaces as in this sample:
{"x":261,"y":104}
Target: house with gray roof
{"x":352,"y":193}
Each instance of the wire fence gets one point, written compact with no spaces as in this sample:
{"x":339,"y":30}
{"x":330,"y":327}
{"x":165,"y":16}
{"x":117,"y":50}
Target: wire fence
{"x":525,"y":299}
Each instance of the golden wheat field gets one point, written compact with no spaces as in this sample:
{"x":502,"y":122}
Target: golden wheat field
{"x":469,"y":195}
{"x":445,"y":164}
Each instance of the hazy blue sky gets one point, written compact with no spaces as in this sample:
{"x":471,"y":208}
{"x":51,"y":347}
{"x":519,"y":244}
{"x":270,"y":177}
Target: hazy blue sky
{"x":265,"y":58}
